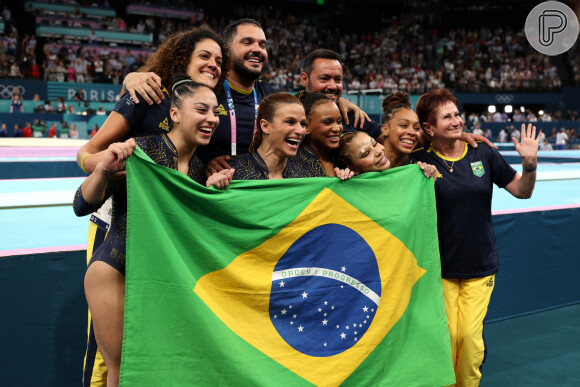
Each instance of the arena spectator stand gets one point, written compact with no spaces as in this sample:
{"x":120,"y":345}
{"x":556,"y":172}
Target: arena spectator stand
{"x":407,"y":52}
{"x":73,"y":8}
{"x":407,"y":48}
{"x":166,"y":11}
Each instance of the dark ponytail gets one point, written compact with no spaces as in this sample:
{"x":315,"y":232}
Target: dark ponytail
{"x":183,"y":87}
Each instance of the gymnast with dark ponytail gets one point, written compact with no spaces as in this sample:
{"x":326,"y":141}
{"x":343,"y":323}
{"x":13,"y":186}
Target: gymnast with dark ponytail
{"x":200,"y":53}
{"x":194,"y":117}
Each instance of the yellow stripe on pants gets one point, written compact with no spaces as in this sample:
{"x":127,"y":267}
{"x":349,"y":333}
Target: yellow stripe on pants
{"x":466,"y":302}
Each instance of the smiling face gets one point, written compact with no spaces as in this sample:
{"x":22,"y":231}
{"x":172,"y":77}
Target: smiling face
{"x":448,"y":123}
{"x":366,"y":155}
{"x":249,"y":53}
{"x":197,"y":118}
{"x":205,"y":65}
{"x":325,"y":126}
{"x":286,"y":130}
{"x":325,"y":77}
{"x":402,"y":131}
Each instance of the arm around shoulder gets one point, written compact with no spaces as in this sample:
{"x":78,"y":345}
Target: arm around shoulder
{"x":146,"y":85}
{"x":359,"y":115}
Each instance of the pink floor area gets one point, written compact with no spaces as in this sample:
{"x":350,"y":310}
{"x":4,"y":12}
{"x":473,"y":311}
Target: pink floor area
{"x":22,"y":151}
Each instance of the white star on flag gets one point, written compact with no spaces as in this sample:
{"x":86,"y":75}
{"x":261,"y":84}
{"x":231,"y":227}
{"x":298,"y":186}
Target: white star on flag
{"x":318,"y":302}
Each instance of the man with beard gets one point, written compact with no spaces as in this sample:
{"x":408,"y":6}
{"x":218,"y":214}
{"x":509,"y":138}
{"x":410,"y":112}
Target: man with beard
{"x":241,"y":94}
{"x":239,"y":99}
{"x":323,"y":73}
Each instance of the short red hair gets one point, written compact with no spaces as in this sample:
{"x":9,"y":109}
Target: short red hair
{"x":432,"y":100}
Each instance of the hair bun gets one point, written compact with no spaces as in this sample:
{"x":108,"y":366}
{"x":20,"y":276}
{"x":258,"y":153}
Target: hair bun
{"x":396,"y":99}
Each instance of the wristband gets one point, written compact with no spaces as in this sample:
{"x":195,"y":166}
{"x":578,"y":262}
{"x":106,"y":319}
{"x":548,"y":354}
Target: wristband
{"x":529,"y":170}
{"x":83,"y":163}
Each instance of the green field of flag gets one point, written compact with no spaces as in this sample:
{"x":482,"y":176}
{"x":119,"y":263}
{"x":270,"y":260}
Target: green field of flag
{"x":284,"y":282}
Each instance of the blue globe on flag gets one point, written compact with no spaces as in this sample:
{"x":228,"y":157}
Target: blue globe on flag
{"x":325,"y":291}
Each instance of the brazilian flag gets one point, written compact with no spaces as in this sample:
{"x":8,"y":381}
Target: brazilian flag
{"x":284,"y":282}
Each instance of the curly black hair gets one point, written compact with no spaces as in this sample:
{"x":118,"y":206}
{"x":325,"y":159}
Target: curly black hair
{"x":174,"y":55}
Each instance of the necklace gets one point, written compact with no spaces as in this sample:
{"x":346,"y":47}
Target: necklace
{"x":442,"y":158}
{"x":447,"y":165}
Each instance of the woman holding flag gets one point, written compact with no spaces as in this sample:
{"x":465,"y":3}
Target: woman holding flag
{"x":194,"y":113}
{"x":201,"y":54}
{"x":280,"y":128}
